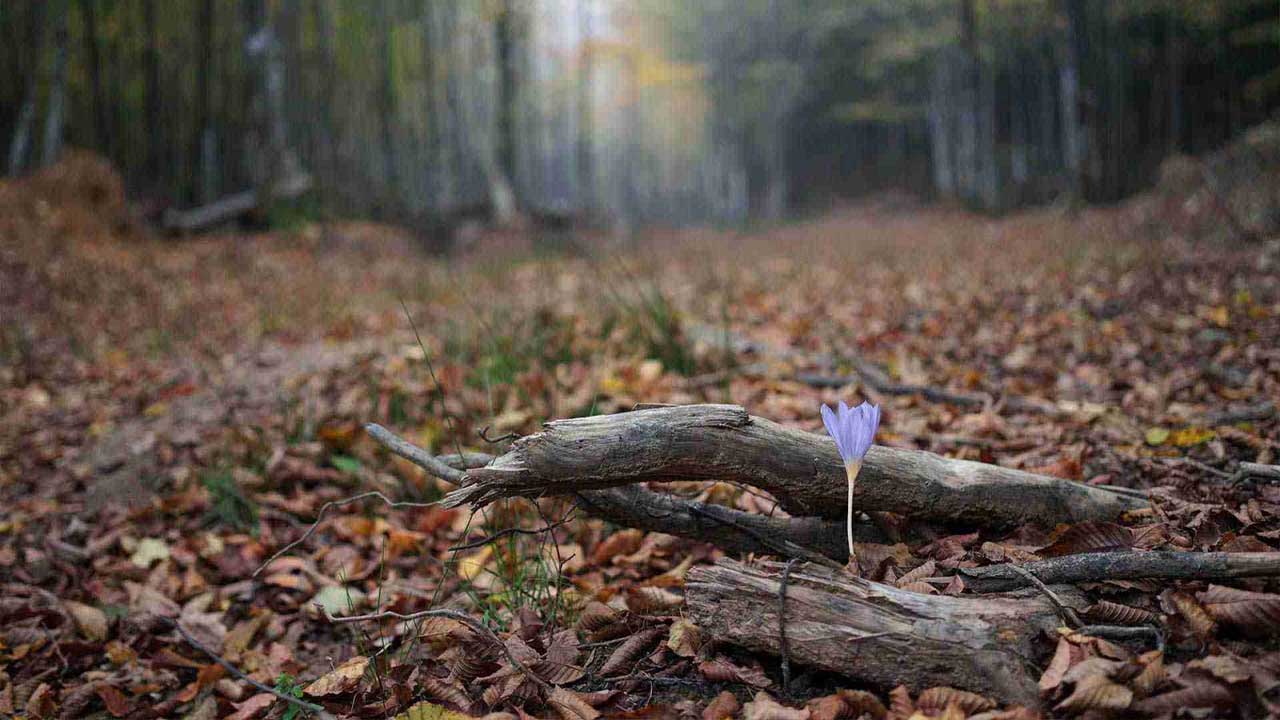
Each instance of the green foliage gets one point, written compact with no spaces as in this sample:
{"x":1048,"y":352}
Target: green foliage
{"x":229,"y":505}
{"x":286,"y":684}
{"x":346,"y":464}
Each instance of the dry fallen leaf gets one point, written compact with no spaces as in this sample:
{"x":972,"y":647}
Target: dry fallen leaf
{"x":764,"y":707}
{"x":91,"y":621}
{"x":1096,"y":692}
{"x":341,"y":679}
{"x":725,"y":705}
{"x":1249,"y":611}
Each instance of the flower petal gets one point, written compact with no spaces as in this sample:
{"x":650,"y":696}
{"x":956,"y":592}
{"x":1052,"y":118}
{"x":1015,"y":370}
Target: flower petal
{"x":829,"y":419}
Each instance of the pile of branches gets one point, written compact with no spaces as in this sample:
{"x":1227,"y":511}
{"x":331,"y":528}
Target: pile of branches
{"x":978,"y":629}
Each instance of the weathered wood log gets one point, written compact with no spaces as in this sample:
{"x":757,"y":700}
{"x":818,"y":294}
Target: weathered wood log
{"x":813,"y":539}
{"x":801,"y":469}
{"x":876,"y":633}
{"x":1126,"y":565}
{"x":231,"y":207}
{"x":808,"y":538}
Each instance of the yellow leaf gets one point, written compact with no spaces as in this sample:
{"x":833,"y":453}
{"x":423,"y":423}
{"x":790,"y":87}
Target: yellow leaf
{"x":1191,"y":436}
{"x":1157,"y":435}
{"x":470,"y":567}
{"x":430,"y":711}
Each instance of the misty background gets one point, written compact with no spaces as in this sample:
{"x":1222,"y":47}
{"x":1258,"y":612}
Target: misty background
{"x":624,"y":113}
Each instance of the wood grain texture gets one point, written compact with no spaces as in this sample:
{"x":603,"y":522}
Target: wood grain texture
{"x":1126,"y":565}
{"x":801,"y":469}
{"x":876,"y":633}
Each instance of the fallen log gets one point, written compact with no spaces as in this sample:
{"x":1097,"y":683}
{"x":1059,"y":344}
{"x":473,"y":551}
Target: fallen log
{"x":876,"y":633}
{"x":231,"y":207}
{"x":1125,"y":565}
{"x":801,"y":469}
{"x":808,"y":538}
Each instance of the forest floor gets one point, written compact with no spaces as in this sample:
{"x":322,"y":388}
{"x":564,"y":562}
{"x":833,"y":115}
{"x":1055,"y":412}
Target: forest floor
{"x":174,"y":413}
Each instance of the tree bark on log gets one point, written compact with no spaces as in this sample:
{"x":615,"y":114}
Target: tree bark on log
{"x":813,"y":539}
{"x":1127,"y":565}
{"x":876,"y":633}
{"x":801,"y":469}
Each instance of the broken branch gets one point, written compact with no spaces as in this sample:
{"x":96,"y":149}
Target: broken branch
{"x":802,"y":470}
{"x":1097,"y":567}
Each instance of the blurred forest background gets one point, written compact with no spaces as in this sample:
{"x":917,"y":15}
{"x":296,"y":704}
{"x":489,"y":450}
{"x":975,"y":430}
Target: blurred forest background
{"x":628,"y":112}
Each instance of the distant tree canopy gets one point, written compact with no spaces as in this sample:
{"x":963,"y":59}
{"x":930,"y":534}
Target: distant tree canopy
{"x":636,"y":110}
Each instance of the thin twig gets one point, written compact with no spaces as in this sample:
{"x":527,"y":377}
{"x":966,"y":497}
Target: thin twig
{"x":507,"y":533}
{"x":236,"y":672}
{"x":414,"y":454}
{"x":325,"y":508}
{"x":1248,"y":470}
{"x":484,"y":435}
{"x":461,"y":617}
{"x":1124,"y":632}
{"x":1067,"y":614}
{"x":782,"y":627}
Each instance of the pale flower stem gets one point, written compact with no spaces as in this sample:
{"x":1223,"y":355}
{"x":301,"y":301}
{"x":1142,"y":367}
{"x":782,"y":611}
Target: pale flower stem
{"x":851,"y":469}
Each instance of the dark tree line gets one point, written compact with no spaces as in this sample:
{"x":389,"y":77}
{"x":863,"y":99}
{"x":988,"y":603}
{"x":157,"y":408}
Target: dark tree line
{"x":633,"y":110}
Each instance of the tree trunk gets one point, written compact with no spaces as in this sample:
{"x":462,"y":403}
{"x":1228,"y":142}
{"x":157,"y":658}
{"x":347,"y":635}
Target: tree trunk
{"x":93,"y":57}
{"x":387,"y":101}
{"x":967,"y":100}
{"x":20,"y":145}
{"x":51,"y":145}
{"x":1173,"y":79}
{"x":1074,"y":150}
{"x":499,"y":165}
{"x":586,"y":112}
{"x":942,"y":124}
{"x":155,"y":140}
{"x":876,"y":633}
{"x":801,"y":469}
{"x":202,"y":146}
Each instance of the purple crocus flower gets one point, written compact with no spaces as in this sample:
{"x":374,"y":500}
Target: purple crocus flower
{"x":853,"y":430}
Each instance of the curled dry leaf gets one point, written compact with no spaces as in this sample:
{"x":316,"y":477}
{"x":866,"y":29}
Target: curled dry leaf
{"x":1152,"y":675}
{"x":628,"y":652}
{"x":764,"y":707}
{"x":721,"y":669}
{"x":927,"y":570}
{"x":901,"y":706}
{"x":253,"y":707}
{"x":861,"y":702}
{"x":829,"y":707}
{"x":684,"y":639}
{"x":1058,"y":666}
{"x":341,"y":679}
{"x":471,"y":659}
{"x":1113,"y":613}
{"x":601,"y":622}
{"x":446,"y":690}
{"x":1201,"y":694}
{"x":725,"y":705}
{"x":91,"y":621}
{"x":653,"y":601}
{"x":1254,"y":612}
{"x":114,"y":700}
{"x":1198,"y":619}
{"x":923,"y":588}
{"x":939,"y":698}
{"x":570,"y":706}
{"x":1090,"y":537}
{"x":1096,"y":692}
{"x":623,"y":542}
{"x":557,"y":666}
